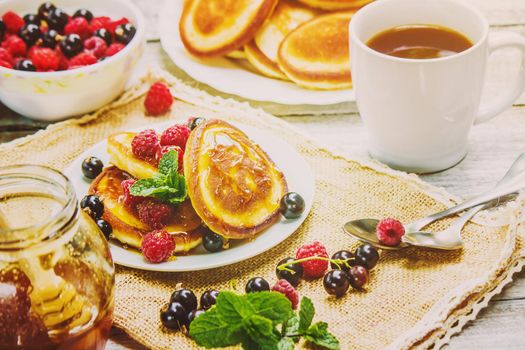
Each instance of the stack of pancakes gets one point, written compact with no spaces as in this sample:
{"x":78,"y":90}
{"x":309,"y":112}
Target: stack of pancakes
{"x":303,"y":41}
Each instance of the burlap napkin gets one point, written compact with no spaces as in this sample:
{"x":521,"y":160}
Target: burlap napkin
{"x":416,"y":297}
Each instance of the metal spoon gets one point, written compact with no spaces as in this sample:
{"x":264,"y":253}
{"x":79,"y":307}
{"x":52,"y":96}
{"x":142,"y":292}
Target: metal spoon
{"x":449,"y":239}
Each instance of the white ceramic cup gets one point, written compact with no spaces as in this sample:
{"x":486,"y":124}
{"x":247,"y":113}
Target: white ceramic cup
{"x":419,"y":112}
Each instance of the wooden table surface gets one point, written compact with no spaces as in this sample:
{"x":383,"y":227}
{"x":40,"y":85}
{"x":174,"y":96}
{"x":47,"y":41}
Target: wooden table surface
{"x":493,"y":147}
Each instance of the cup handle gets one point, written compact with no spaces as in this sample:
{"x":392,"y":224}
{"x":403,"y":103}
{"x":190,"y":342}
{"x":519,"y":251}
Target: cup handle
{"x":507,"y":98}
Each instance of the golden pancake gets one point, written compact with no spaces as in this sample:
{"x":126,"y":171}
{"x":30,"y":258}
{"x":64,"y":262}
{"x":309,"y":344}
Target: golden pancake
{"x":128,"y":229}
{"x":210,"y":28}
{"x":121,"y":155}
{"x":237,"y":54}
{"x":332,"y":5}
{"x":262,"y":50}
{"x":232,"y":183}
{"x":316,"y":54}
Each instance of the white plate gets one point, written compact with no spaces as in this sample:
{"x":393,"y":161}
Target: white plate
{"x":228,"y":75}
{"x":298,"y":175}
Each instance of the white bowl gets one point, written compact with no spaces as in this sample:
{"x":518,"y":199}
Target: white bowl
{"x":58,"y":95}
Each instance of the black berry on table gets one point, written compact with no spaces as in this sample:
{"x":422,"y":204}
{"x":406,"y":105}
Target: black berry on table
{"x":186,"y":298}
{"x":71,"y":45}
{"x":92,"y":167}
{"x":358,"y":277}
{"x":209,"y":298}
{"x":45,"y":8}
{"x":257,"y":284}
{"x":336,"y":282}
{"x":32,"y":19}
{"x":92,"y":205}
{"x":30,"y":33}
{"x":57,"y":19}
{"x":83,"y":13}
{"x":174,"y":316}
{"x":367,"y":256}
{"x":193,"y":315}
{"x":212,"y":242}
{"x":25,"y":65}
{"x":105,"y":227}
{"x":292,"y":277}
{"x":343,"y":255}
{"x":292,"y":205}
{"x":104,"y":34}
{"x":125,"y":32}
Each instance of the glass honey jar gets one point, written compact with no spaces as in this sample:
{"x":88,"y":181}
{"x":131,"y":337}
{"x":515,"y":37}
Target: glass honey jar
{"x":56,"y":271}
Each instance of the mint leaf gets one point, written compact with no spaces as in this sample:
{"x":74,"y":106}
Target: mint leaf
{"x":181,"y":190}
{"x":233,"y":308}
{"x":211,"y":331}
{"x":318,"y":334}
{"x":306,"y":314}
{"x":169,"y":163}
{"x":261,"y":331}
{"x":271,"y":305}
{"x":286,"y":344}
{"x":144,"y":186}
{"x":291,"y":328}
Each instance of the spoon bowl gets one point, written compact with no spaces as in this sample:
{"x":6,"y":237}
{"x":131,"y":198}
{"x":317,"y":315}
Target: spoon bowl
{"x":365,"y":231}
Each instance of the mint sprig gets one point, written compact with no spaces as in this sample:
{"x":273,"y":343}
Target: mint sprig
{"x":167,"y":185}
{"x":259,"y":321}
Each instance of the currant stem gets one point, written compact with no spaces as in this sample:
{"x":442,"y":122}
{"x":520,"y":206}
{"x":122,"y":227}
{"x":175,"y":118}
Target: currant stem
{"x":338,"y":262}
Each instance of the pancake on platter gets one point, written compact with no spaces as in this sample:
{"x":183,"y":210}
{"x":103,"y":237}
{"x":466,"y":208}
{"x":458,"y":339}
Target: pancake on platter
{"x":184,"y":225}
{"x":333,"y":5}
{"x":121,"y":155}
{"x":262,"y":50}
{"x":233,"y":185}
{"x":316,"y":54}
{"x":237,"y":54}
{"x":211,"y":28}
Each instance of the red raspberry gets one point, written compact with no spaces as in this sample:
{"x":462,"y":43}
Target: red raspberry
{"x":44,"y":59}
{"x":113,"y":49}
{"x":128,"y":199}
{"x":5,"y":64}
{"x":158,"y":100}
{"x":82,"y":59}
{"x":63,"y":60}
{"x":15,"y":45}
{"x":176,"y":135}
{"x":145,"y":144}
{"x":78,"y":25}
{"x":313,"y":268}
{"x":284,"y":287}
{"x":157,"y":246}
{"x":96,"y":46}
{"x":12,"y":21}
{"x":112,"y":25}
{"x":390,"y":231}
{"x":155,"y":214}
{"x":98,"y":23}
{"x":6,"y":56}
{"x":165,"y":149}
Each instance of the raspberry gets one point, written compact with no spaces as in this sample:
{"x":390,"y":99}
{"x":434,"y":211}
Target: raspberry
{"x":390,"y":231}
{"x":96,"y":46}
{"x":158,"y":100}
{"x":5,"y":64}
{"x":12,"y":21}
{"x":98,"y":23}
{"x":113,"y":49}
{"x":313,"y":268}
{"x":78,"y":25}
{"x":145,"y":144}
{"x":82,"y":59}
{"x":6,"y":56}
{"x":112,"y":25}
{"x":130,"y":200}
{"x":162,"y":150}
{"x":157,"y":246}
{"x":155,"y":214}
{"x":15,"y":45}
{"x":44,"y":59}
{"x":284,"y":287}
{"x":176,"y":135}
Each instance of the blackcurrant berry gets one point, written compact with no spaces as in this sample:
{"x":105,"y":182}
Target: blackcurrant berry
{"x":294,"y":277}
{"x":358,"y":277}
{"x":50,"y":38}
{"x":336,"y":282}
{"x":186,"y":298}
{"x":212,"y":242}
{"x":71,"y":45}
{"x":57,"y":19}
{"x":292,"y":205}
{"x":83,"y":13}
{"x":367,"y":256}
{"x":209,"y":298}
{"x":125,"y":32}
{"x":174,"y":316}
{"x":343,"y":255}
{"x":32,"y":19}
{"x":92,"y":167}
{"x":194,"y":314}
{"x":257,"y":284}
{"x":25,"y":65}
{"x":2,"y":30}
{"x":195,"y":122}
{"x":45,"y":8}
{"x":105,"y":227}
{"x":92,"y":205}
{"x":30,"y":33}
{"x":104,"y":34}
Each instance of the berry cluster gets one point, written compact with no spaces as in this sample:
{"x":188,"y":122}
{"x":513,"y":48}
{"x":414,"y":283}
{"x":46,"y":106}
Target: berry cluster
{"x":52,"y":40}
{"x":182,"y":308}
{"x":348,"y":269}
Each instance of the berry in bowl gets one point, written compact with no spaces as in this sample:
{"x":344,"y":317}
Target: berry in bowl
{"x":65,"y":58}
